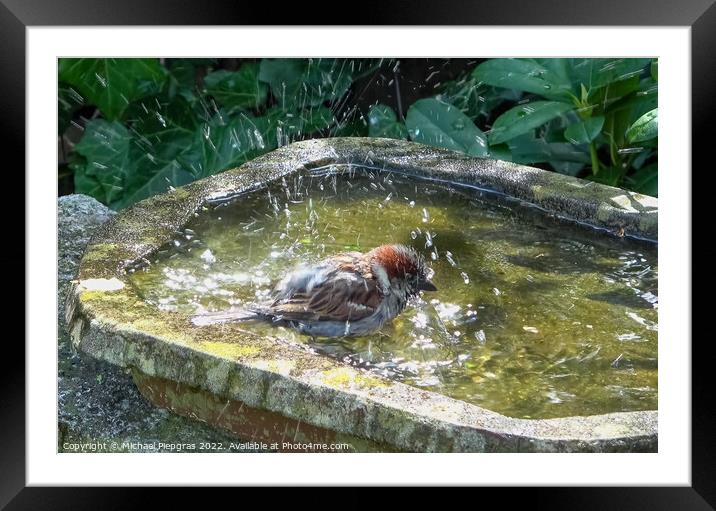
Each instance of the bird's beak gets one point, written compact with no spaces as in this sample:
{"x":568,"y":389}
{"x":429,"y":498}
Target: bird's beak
{"x":426,"y":285}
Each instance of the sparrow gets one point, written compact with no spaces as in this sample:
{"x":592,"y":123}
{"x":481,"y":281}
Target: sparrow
{"x":346,"y":294}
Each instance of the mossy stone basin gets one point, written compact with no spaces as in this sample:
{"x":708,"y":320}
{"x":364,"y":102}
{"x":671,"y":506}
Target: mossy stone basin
{"x":287,"y":395}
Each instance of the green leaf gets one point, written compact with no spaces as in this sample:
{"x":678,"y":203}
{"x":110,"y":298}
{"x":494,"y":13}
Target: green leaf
{"x":317,"y":119}
{"x":165,"y":126}
{"x":382,"y":122}
{"x":645,"y":128}
{"x":184,"y":78}
{"x":558,"y":66}
{"x":439,"y":124}
{"x":646,"y":180}
{"x":529,"y":149}
{"x":553,"y":130}
{"x":501,"y":152}
{"x":168,"y":177}
{"x":116,"y":162}
{"x":84,"y":183}
{"x":467,"y":95}
{"x":602,"y":98}
{"x":223,"y":143}
{"x":569,"y":168}
{"x":594,"y":73}
{"x":241,"y":89}
{"x":68,"y":101}
{"x":524,"y":118}
{"x":636,"y":105}
{"x":183,"y":72}
{"x":584,"y":131}
{"x":283,"y":127}
{"x":620,"y":115}
{"x":641,"y":158}
{"x":611,"y":176}
{"x":106,"y":147}
{"x":300,"y":83}
{"x":524,"y":75}
{"x":655,"y":69}
{"x":310,"y":121}
{"x":475,"y":99}
{"x":355,"y":127}
{"x":112,"y":84}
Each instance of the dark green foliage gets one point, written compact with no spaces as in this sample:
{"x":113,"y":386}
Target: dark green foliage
{"x":112,"y":84}
{"x":159,"y":124}
{"x":440,"y":124}
{"x":167,"y":126}
{"x":382,"y":122}
{"x":306,"y":82}
{"x":240,"y":89}
{"x":596,"y":118}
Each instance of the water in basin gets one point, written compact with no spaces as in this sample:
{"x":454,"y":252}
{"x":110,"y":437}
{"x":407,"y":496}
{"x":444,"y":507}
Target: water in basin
{"x":533,"y":317}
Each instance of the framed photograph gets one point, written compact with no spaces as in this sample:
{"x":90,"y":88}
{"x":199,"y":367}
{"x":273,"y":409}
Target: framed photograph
{"x":360,"y":255}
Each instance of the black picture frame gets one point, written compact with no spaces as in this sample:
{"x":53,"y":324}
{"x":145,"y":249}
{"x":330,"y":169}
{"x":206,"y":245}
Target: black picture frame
{"x":700,"y":15}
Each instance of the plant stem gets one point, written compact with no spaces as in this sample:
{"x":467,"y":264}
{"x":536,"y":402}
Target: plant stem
{"x":595,"y":160}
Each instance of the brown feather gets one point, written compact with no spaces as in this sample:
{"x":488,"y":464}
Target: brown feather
{"x":349,"y":293}
{"x":397,"y":260}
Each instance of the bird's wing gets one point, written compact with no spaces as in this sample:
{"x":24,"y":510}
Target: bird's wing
{"x":339,"y":296}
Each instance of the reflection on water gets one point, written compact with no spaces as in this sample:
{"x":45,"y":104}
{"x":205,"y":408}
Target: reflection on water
{"x":531,"y":319}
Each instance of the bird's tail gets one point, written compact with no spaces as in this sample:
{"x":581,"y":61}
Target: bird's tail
{"x":231,"y":315}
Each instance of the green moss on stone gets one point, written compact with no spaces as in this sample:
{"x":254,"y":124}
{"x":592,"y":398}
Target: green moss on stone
{"x":344,"y":377}
{"x":230,"y":350}
{"x":107,"y":301}
{"x":99,"y":252}
{"x":539,"y":193}
{"x":604,"y":212}
{"x":181,"y":193}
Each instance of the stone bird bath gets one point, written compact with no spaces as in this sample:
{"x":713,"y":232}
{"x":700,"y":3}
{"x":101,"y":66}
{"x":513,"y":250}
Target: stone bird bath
{"x":270,"y":391}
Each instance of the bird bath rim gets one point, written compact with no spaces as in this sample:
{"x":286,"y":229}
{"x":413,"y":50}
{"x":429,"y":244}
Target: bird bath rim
{"x":110,"y":321}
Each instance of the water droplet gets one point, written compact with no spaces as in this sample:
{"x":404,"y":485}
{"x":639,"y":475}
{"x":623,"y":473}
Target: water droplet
{"x":428,"y":239}
{"x":616,"y":361}
{"x":208,"y":257}
{"x":413,"y":235}
{"x":480,"y":336}
{"x":161,"y":120}
{"x":629,"y":337}
{"x":101,"y":79}
{"x":630,"y":150}
{"x":465,"y":277}
{"x":448,"y":256}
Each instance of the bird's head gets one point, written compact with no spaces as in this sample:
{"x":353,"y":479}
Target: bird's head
{"x":404,"y":266}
